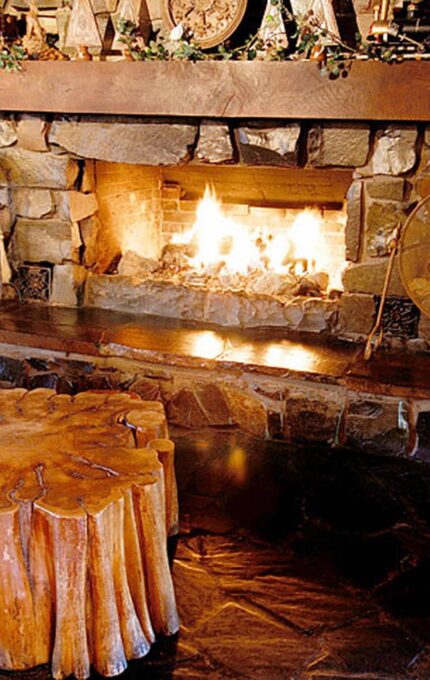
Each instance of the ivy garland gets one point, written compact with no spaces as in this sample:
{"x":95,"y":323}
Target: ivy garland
{"x":312,"y":42}
{"x":11,"y":56}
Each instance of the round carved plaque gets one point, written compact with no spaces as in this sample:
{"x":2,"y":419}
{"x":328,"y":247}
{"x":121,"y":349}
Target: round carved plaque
{"x":210,"y":21}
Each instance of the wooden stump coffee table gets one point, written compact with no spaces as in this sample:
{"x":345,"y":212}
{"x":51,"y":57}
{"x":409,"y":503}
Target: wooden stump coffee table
{"x":88,"y":497}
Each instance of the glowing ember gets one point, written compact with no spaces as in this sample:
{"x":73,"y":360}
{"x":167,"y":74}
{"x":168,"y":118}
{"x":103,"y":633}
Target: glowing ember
{"x":218,"y":243}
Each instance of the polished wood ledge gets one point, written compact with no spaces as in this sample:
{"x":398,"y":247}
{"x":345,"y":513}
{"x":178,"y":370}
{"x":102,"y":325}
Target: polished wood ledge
{"x":296,"y":90}
{"x":101,"y":333}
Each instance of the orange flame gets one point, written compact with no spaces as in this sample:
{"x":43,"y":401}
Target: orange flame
{"x":217,"y":239}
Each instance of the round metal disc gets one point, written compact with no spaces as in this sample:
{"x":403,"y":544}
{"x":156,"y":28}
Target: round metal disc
{"x":209,"y":21}
{"x":414,"y":256}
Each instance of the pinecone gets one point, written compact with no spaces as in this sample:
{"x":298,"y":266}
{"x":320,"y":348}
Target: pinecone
{"x":39,"y":49}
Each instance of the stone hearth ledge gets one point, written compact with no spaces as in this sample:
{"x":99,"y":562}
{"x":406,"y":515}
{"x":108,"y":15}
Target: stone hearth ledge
{"x":263,"y":383}
{"x":234,"y":309}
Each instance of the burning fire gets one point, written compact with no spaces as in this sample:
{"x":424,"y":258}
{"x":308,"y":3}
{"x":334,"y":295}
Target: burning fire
{"x":219,"y":244}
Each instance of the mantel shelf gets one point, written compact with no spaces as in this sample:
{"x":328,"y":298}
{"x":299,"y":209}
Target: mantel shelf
{"x":372,"y":90}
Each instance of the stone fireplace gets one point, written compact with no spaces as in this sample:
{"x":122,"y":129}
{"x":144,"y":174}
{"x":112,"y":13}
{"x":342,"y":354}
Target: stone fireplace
{"x":105,"y":207}
{"x":98,"y":215}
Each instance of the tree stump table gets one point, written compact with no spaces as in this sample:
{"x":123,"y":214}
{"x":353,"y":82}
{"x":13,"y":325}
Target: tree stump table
{"x":88,"y":497}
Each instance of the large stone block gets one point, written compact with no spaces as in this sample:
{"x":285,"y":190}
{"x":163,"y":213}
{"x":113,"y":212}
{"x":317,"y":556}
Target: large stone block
{"x":133,"y":264}
{"x":42,"y":241}
{"x":65,"y":283}
{"x":338,"y":144}
{"x":33,"y":203}
{"x":382,"y":218}
{"x":246,"y":411}
{"x":377,"y":424}
{"x":424,"y":166}
{"x":395,"y":150}
{"x":356,"y":315}
{"x":318,"y":315}
{"x":313,"y":415}
{"x":90,"y":230}
{"x":183,"y":409}
{"x":214,"y":145}
{"x":32,"y":132}
{"x":145,"y":297}
{"x":269,"y":145}
{"x":148,"y":389}
{"x":7,"y":217}
{"x":386,"y":188}
{"x":353,"y":233}
{"x":8,"y":134}
{"x":140,"y":143}
{"x":368,"y":277}
{"x":81,"y":205}
{"x":214,"y":403}
{"x":23,"y":168}
{"x":200,"y":406}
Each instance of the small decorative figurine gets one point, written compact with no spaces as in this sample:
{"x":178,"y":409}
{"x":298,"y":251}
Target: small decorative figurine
{"x":136,"y":12}
{"x":325,"y":16}
{"x":272,"y":31}
{"x":82,"y":31}
{"x":34,"y":41}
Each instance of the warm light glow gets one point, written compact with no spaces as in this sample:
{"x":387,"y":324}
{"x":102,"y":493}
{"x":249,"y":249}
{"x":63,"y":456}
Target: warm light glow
{"x":206,"y":344}
{"x":290,"y":355}
{"x":237,"y":466}
{"x":223,"y":245}
{"x":132,"y":235}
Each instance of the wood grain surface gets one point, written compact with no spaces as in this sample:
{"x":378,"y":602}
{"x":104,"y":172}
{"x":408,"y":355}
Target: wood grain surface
{"x":296,"y":90}
{"x":84,"y":518}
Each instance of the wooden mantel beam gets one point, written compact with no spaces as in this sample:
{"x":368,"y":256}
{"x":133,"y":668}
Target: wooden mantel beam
{"x":372,"y":90}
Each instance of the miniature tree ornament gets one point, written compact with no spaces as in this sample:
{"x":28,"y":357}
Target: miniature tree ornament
{"x":82,"y":30}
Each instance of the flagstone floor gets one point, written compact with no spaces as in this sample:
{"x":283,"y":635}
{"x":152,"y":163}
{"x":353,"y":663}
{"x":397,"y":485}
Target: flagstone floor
{"x":295,"y":564}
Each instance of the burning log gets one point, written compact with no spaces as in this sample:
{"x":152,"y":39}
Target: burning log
{"x":133,"y":264}
{"x":176,"y":256}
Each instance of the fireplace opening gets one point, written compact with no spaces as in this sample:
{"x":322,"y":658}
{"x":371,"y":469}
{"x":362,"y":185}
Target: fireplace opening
{"x":230,"y":245}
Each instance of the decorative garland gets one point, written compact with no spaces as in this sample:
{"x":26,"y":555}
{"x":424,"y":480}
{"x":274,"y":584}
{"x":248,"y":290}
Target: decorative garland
{"x":11,"y":56}
{"x":313,"y":42}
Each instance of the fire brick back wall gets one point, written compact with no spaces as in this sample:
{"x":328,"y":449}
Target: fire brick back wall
{"x":129,"y":201}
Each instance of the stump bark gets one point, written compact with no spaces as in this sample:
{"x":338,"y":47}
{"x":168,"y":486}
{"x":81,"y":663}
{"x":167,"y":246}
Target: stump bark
{"x":87,"y":499}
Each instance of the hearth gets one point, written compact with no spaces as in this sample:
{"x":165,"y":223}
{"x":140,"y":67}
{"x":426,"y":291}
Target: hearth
{"x":104,"y":212}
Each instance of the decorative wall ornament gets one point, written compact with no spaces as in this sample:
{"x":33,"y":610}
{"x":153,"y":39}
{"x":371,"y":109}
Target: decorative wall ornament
{"x":101,"y":6}
{"x":324,"y":14}
{"x":272,"y":31}
{"x":82,"y":30}
{"x":34,"y":42}
{"x":135,"y":12}
{"x":34,"y":283}
{"x":210,"y":22}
